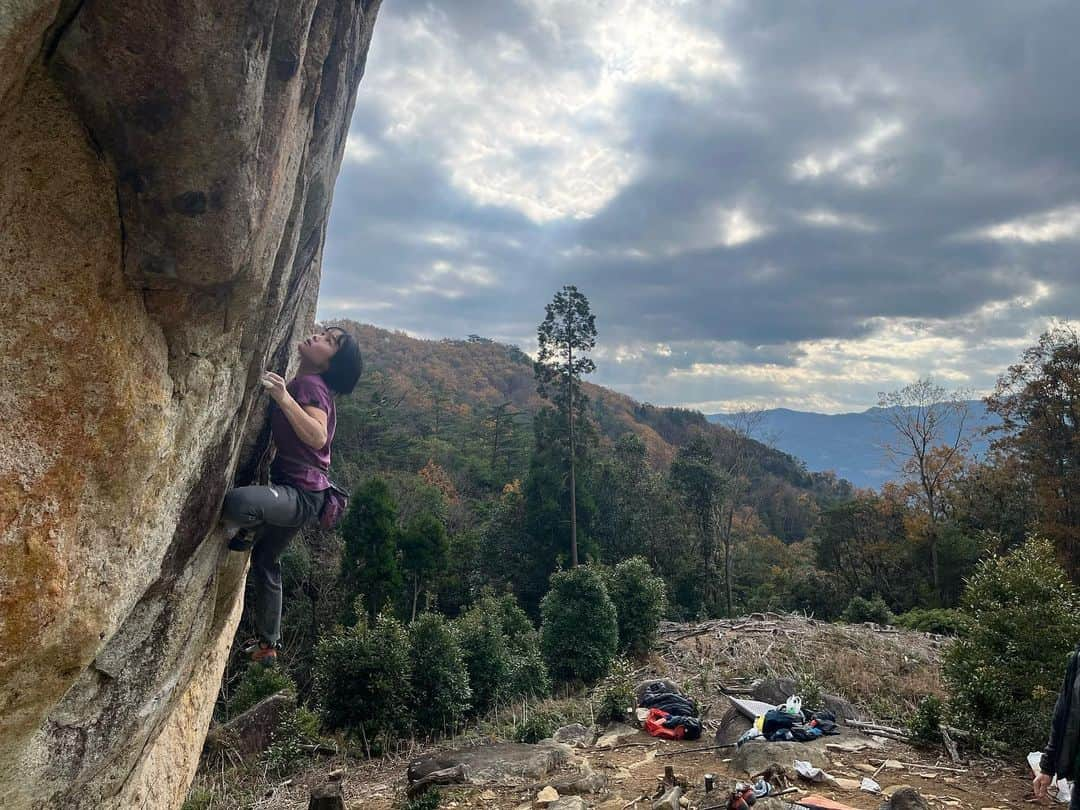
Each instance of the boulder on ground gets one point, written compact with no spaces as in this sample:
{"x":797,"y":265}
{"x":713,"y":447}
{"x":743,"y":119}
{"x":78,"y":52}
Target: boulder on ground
{"x":581,"y":783}
{"x":614,"y":734}
{"x":575,"y":735}
{"x":906,"y":798}
{"x":568,"y":803}
{"x":488,"y":764}
{"x":249,"y":734}
{"x":670,"y":800}
{"x":733,"y":723}
{"x":669,"y":686}
{"x":757,"y":755}
{"x":546,"y":795}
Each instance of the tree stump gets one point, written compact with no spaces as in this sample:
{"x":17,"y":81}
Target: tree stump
{"x":327,"y":797}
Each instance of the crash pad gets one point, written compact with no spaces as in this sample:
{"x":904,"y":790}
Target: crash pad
{"x":822,"y":803}
{"x":751,"y":708}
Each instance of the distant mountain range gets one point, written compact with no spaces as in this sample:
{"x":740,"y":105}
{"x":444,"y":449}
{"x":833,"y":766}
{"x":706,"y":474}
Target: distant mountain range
{"x":849,"y":444}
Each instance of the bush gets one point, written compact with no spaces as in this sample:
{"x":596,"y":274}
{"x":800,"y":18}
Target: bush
{"x":428,"y":801}
{"x":1003,"y":674}
{"x":440,"y":681}
{"x":943,"y":621}
{"x":528,"y":675}
{"x":579,"y":631}
{"x":615,"y":694}
{"x":640,"y":599}
{"x":925,"y":723}
{"x":257,"y":683}
{"x":502,"y":652}
{"x":362,"y":678}
{"x":536,"y":727}
{"x":486,"y":655}
{"x":810,"y":689}
{"x":860,"y":610}
{"x":296,"y":729}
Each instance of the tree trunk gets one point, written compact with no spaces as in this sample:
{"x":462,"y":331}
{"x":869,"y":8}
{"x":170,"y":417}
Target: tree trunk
{"x":727,"y":564}
{"x":415,"y":596}
{"x":573,"y":482}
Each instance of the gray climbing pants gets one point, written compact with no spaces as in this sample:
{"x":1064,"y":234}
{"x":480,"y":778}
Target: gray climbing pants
{"x":277,"y":512}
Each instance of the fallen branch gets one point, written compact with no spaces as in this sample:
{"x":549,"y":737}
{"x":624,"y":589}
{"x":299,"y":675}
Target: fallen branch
{"x":933,"y":767}
{"x":695,"y":750}
{"x":950,"y":746}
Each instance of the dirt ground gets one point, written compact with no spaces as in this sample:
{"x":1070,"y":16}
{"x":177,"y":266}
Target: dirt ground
{"x":634,"y":771}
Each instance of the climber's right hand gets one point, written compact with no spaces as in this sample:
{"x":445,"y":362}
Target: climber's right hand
{"x":1041,"y":785}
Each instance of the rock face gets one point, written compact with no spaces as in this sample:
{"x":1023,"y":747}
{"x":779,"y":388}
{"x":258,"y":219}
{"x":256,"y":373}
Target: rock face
{"x":166,"y":181}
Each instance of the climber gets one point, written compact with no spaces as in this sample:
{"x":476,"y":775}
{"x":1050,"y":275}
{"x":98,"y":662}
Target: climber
{"x":302,"y":421}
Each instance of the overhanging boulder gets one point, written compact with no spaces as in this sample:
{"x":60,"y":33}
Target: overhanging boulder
{"x":167,"y":179}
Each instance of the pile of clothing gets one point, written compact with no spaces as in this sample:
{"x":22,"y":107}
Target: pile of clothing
{"x":671,"y":715}
{"x":791,"y":723}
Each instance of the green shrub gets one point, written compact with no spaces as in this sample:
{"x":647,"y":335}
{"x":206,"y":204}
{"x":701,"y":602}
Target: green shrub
{"x":362,"y":678}
{"x":925,"y":723}
{"x":440,"y":681}
{"x":297,"y":728}
{"x":860,"y":610}
{"x":615,"y":693}
{"x":810,"y":689}
{"x":198,"y":799}
{"x":943,"y":621}
{"x":536,"y":727}
{"x":428,"y":801}
{"x":486,"y":655}
{"x":257,"y":683}
{"x":528,"y":674}
{"x":640,"y":599}
{"x":579,"y":630}
{"x":1020,"y":622}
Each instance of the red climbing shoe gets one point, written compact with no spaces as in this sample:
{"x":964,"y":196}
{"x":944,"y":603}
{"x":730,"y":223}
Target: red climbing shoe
{"x":262,"y":653}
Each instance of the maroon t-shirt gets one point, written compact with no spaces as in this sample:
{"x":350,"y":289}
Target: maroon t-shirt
{"x":296,"y":463}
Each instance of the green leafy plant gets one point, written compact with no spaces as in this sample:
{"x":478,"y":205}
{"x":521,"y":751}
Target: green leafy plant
{"x":427,"y":801}
{"x":198,"y":799}
{"x":1021,"y":619}
{"x":810,"y":689}
{"x":579,"y":630}
{"x":297,"y":729}
{"x":640,"y":599}
{"x":867,"y":610}
{"x":362,"y":677}
{"x":925,"y":723}
{"x":943,"y":621}
{"x":615,"y":693}
{"x":486,"y":655}
{"x":440,"y":680}
{"x":257,"y":683}
{"x":536,"y":727}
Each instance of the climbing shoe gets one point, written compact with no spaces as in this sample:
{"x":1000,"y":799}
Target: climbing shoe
{"x":241,"y":541}
{"x":262,"y":653}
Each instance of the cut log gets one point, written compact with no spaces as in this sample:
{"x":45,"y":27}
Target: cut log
{"x":327,"y":797}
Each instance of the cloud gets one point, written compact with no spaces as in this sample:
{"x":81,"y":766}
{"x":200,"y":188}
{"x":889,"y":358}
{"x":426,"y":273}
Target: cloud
{"x":764,"y":202}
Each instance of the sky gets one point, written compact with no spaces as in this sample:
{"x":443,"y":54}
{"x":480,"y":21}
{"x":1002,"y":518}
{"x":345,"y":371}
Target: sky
{"x":767,"y":204}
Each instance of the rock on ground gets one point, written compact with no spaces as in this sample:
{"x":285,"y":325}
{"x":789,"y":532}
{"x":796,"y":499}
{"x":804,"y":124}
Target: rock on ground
{"x":250,"y":733}
{"x":568,"y":803}
{"x":575,"y":735}
{"x":905,"y":799}
{"x":488,"y":764}
{"x":614,"y":734}
{"x":168,"y":170}
{"x":757,"y":755}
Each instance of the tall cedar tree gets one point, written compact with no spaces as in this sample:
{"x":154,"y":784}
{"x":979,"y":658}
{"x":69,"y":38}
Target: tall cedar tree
{"x":566,"y":336}
{"x":1038,"y":400}
{"x":423,"y":552}
{"x":369,"y":563}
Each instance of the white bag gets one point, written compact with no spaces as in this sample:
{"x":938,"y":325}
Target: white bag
{"x":793,"y":705}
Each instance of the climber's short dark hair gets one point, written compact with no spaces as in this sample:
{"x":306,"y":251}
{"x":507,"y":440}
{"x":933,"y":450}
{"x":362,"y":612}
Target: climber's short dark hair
{"x":346,"y":365}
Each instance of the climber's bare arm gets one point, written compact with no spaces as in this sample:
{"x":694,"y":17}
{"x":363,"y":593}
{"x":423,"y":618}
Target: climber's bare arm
{"x":308,"y":421}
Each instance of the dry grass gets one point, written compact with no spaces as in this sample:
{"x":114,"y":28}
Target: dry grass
{"x":883,"y":671}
